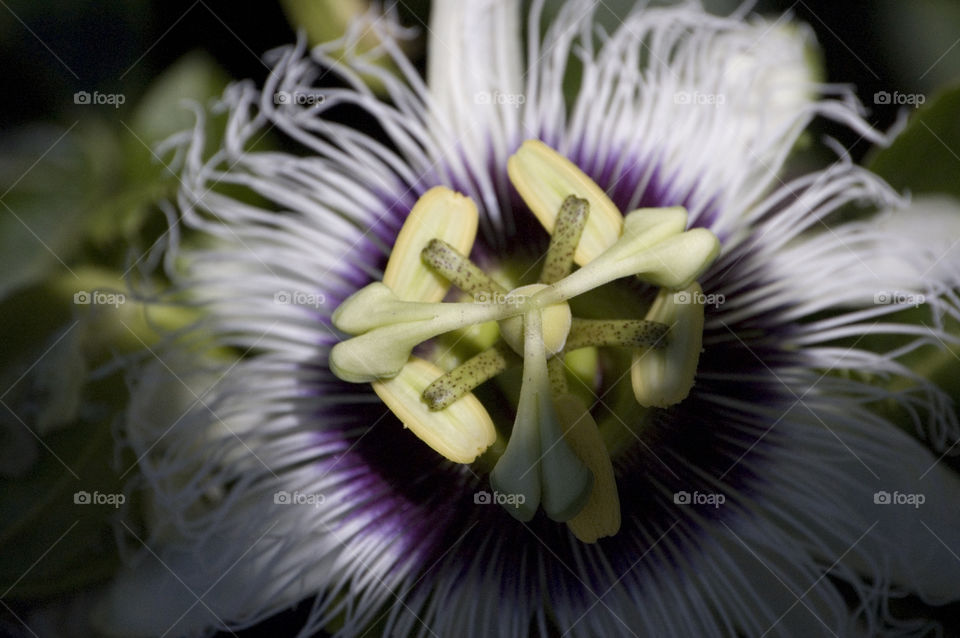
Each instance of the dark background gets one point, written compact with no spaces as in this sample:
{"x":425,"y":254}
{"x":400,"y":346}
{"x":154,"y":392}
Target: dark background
{"x":119,"y":45}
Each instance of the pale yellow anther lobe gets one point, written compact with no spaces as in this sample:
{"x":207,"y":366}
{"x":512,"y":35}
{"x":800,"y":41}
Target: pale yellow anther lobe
{"x":389,"y":325}
{"x":663,"y":377}
{"x":461,"y":432}
{"x":440,"y":213}
{"x":545,"y":178}
{"x":600,"y":517}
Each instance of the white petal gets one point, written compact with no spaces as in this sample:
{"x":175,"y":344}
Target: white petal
{"x":911,"y":249}
{"x":796,"y":601}
{"x":705,"y":106}
{"x":215,"y":452}
{"x":912,"y":546}
{"x":148,"y":601}
{"x":929,"y":226}
{"x":477,"y":107}
{"x":481,"y":101}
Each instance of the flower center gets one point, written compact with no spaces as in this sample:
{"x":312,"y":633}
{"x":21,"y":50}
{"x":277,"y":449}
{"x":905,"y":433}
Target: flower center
{"x":555,"y":456}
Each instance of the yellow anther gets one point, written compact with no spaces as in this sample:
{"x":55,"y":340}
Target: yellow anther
{"x":461,"y":432}
{"x":545,"y":178}
{"x":663,"y":377}
{"x":600,"y":517}
{"x":439,"y":214}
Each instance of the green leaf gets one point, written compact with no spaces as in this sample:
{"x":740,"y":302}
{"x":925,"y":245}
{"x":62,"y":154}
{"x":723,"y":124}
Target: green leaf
{"x":162,"y":112}
{"x":140,"y":179}
{"x":324,"y":20}
{"x":328,"y":20}
{"x":50,"y":175}
{"x":925,"y":157}
{"x":49,"y":544}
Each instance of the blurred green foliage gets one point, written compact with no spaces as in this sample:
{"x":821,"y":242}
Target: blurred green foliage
{"x":925,"y":157}
{"x":70,"y":220}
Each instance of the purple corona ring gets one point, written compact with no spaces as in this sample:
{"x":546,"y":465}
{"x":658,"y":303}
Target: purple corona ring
{"x":555,"y":345}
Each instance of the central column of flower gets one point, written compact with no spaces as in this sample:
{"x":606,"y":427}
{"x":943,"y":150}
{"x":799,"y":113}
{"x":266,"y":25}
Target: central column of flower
{"x":555,"y":457}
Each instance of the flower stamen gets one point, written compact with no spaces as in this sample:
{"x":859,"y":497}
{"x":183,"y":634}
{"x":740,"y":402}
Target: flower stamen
{"x":663,"y":377}
{"x":567,"y":230}
{"x":456,"y":268}
{"x":555,"y":456}
{"x":439,"y":213}
{"x":564,"y":482}
{"x":600,"y":516}
{"x":545,"y":178}
{"x":557,"y":320}
{"x":461,"y":433}
{"x":471,"y":373}
{"x":629,"y":333}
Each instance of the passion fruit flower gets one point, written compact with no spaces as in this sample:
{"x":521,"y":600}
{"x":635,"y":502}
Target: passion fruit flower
{"x":646,"y":385}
